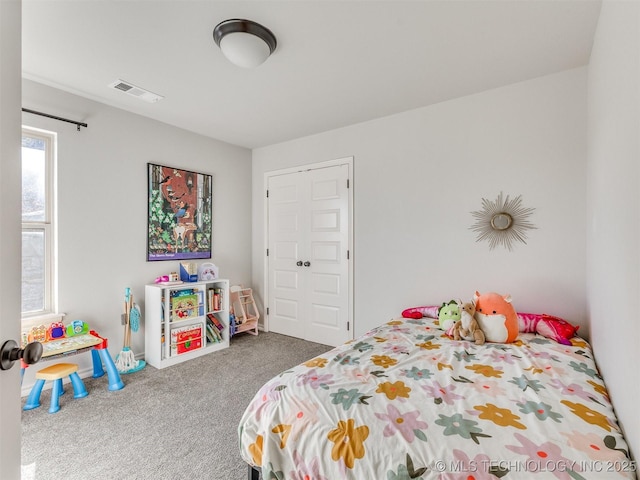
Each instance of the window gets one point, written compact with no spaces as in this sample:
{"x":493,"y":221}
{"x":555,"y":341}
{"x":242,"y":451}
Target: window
{"x":38,"y":263}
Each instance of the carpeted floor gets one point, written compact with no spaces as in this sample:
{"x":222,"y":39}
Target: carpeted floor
{"x":175,"y":423}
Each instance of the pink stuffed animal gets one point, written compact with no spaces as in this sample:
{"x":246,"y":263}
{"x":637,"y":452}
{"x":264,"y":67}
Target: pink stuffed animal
{"x":548,"y":326}
{"x":430,"y":311}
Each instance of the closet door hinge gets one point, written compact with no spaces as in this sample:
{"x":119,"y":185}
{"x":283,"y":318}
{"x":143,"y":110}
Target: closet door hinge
{"x":347,"y":183}
{"x":348,"y":326}
{"x":267,"y":193}
{"x":267,"y":310}
{"x":267,"y":252}
{"x":347,"y":254}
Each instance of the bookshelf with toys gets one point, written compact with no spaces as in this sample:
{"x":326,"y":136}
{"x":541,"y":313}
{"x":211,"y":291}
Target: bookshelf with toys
{"x":185,"y":320}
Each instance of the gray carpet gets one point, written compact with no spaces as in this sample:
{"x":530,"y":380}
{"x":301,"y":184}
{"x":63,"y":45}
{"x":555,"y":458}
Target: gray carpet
{"x":175,"y":423}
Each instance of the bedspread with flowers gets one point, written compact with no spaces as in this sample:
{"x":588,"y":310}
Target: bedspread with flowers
{"x":404,"y":401}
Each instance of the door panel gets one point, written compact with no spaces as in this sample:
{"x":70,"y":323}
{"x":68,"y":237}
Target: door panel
{"x":326,"y":221}
{"x":325,"y":189}
{"x":323,"y":316}
{"x":10,"y":232}
{"x":286,"y":309}
{"x":328,"y":242}
{"x":323,"y":283}
{"x":285,"y":281}
{"x":319,"y":210}
{"x":325,"y":252}
{"x":286,"y":251}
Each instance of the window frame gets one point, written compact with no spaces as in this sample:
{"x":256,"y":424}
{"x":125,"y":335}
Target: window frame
{"x":47,"y":226}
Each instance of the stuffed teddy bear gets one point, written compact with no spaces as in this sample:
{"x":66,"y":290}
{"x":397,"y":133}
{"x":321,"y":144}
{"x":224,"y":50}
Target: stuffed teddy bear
{"x":467,"y":327}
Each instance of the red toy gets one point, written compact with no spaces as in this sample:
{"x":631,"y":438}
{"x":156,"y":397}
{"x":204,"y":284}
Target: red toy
{"x":56,"y":330}
{"x":430,"y":311}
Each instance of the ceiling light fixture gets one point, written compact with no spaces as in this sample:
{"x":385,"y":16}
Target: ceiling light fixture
{"x":245,"y":43}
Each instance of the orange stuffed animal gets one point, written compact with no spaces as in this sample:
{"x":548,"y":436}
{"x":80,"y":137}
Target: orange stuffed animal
{"x":497,"y":317}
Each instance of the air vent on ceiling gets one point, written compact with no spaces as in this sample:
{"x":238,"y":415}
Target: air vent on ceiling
{"x":134,"y":91}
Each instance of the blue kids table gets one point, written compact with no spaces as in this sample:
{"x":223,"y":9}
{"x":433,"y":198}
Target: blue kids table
{"x":91,"y":341}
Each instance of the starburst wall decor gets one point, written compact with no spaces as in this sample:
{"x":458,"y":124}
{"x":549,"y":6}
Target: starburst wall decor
{"x":502,"y":222}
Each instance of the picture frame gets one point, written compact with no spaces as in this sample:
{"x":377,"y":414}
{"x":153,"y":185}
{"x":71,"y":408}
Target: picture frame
{"x":179,"y":213}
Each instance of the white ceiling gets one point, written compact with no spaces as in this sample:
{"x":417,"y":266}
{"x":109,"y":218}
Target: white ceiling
{"x":337,"y":62}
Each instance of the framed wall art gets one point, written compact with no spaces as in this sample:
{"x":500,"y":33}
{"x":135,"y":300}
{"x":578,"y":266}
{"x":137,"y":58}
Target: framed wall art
{"x":179,"y":214}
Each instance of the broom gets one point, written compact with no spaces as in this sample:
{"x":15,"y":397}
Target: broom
{"x":126,"y":360}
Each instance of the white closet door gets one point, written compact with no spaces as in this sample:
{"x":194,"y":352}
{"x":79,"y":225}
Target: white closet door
{"x":308,"y":248}
{"x":287,"y":203}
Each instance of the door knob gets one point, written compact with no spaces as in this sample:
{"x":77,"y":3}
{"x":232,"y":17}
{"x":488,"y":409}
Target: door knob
{"x":10,"y":353}
{"x":307,"y":263}
{"x":299,"y":263}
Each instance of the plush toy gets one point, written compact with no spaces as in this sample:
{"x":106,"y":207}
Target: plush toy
{"x":448,"y":315}
{"x":467,"y":327}
{"x":497,"y":323}
{"x":497,"y":317}
{"x":548,"y":326}
{"x":430,"y":311}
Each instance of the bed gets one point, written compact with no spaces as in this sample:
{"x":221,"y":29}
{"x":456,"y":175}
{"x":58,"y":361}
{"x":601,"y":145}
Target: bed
{"x":406,"y":401}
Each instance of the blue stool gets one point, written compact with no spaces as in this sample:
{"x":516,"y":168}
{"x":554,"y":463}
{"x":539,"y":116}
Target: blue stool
{"x":56,"y":373}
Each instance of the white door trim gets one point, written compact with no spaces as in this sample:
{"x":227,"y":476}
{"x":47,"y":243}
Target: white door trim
{"x":302,"y":168}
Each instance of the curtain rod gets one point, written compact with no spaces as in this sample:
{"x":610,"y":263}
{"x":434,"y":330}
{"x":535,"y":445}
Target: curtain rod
{"x":77,"y":124}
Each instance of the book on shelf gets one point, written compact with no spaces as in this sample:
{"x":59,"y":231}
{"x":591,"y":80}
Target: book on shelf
{"x":184,"y":306}
{"x":214,"y":333}
{"x":201,"y":303}
{"x":215,"y":299}
{"x":185,"y":339}
{"x":162,"y":353}
{"x":216,"y":321}
{"x":182,"y":292}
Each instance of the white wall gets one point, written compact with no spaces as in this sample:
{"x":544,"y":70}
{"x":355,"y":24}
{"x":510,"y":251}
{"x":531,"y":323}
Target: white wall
{"x":102,"y":205}
{"x":419,"y":174}
{"x":613,"y":214}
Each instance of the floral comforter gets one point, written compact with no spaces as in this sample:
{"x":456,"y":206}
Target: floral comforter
{"x":405,"y":401}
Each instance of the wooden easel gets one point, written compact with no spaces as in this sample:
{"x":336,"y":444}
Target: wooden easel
{"x":244,"y":307}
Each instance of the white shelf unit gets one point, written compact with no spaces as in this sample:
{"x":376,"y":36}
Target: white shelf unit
{"x":165,"y":312}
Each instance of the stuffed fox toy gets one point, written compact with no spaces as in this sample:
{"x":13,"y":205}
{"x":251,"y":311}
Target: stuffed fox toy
{"x":467,"y":327}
